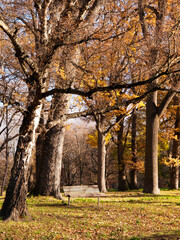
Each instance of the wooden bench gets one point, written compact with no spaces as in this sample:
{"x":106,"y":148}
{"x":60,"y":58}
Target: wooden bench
{"x":82,"y":191}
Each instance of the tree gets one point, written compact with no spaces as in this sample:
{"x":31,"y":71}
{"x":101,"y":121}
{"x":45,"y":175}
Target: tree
{"x":122,"y":178}
{"x":51,"y":157}
{"x":101,"y":153}
{"x":51,"y":149}
{"x":174,"y":168}
{"x":133,"y":171}
{"x":45,"y":25}
{"x":154,"y":44}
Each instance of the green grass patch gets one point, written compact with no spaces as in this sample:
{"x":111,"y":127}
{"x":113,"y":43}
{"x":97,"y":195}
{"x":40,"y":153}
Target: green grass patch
{"x":120,"y":215}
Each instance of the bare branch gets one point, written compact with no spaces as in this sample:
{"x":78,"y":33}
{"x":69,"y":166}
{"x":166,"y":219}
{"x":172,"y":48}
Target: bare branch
{"x":7,"y":140}
{"x":20,"y":53}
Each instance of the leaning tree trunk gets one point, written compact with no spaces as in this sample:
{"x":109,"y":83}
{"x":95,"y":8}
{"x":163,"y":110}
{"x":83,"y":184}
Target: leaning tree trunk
{"x":50,"y":159}
{"x":14,"y":205}
{"x":122,"y":183}
{"x":101,"y":155}
{"x":133,"y":171}
{"x":174,"y":170}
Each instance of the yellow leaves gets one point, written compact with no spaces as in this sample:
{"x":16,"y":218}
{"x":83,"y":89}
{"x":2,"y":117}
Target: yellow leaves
{"x":129,"y":96}
{"x":93,"y":139}
{"x":133,"y":49}
{"x":61,"y":72}
{"x":176,"y":137}
{"x":171,"y":162}
{"x":108,"y":137}
{"x":91,"y":83}
{"x":140,"y":104}
{"x":68,"y":127}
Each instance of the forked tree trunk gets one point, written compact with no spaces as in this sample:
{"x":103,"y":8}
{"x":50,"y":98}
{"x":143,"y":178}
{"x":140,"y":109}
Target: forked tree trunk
{"x":101,"y":155}
{"x":14,"y":205}
{"x":153,"y":43}
{"x":174,"y":170}
{"x":122,"y":183}
{"x":133,"y":171}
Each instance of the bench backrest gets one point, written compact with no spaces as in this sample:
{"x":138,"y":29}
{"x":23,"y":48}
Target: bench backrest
{"x":82,"y":191}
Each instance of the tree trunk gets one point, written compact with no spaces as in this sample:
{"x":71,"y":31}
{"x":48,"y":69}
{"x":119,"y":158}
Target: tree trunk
{"x":39,"y":161}
{"x":133,"y":171}
{"x":151,"y":157}
{"x":48,"y":182}
{"x":14,"y":205}
{"x":122,"y":183}
{"x":153,"y":114}
{"x":174,"y":170}
{"x":101,"y":155}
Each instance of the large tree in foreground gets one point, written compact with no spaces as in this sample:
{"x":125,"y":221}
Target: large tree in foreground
{"x":50,"y":141}
{"x":45,"y":26}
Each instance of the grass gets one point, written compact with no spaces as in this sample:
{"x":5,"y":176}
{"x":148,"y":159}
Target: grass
{"x":129,"y":215}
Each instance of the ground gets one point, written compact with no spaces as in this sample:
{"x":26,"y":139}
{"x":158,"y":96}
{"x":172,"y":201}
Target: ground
{"x":120,"y":215}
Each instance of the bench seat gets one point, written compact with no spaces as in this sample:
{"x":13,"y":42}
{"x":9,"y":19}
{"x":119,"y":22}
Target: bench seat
{"x":82,"y":191}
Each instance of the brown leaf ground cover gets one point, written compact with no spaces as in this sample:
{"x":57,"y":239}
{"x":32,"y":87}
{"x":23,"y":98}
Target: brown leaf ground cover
{"x":128,"y":215}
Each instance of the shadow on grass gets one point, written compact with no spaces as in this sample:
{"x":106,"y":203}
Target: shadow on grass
{"x":152,"y":202}
{"x":72,"y":206}
{"x":61,"y":205}
{"x":141,"y":195}
{"x":164,"y":236}
{"x":148,"y":199}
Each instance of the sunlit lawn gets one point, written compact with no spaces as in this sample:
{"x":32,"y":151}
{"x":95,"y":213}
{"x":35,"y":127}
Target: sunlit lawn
{"x":127,"y":215}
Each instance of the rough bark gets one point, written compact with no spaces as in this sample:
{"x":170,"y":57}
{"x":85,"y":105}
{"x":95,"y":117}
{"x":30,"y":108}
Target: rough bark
{"x":14,"y":205}
{"x":48,"y":183}
{"x":39,"y":160}
{"x":101,"y":154}
{"x":174,"y":170}
{"x":133,"y":171}
{"x":122,"y":183}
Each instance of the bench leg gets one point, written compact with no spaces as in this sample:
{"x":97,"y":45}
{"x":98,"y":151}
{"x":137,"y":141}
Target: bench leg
{"x":98,"y":200}
{"x":68,"y":201}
